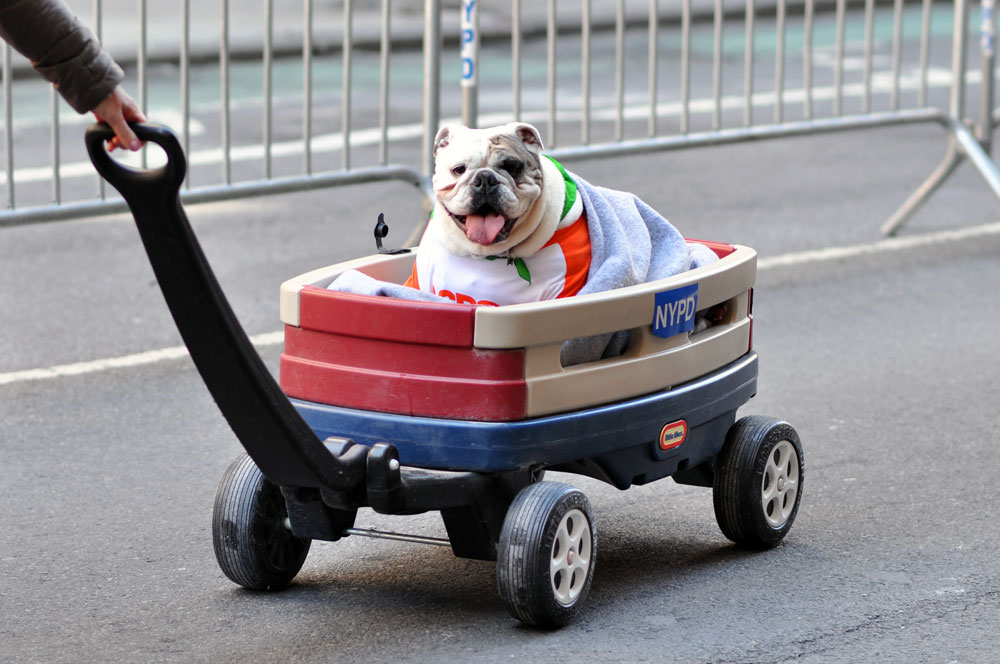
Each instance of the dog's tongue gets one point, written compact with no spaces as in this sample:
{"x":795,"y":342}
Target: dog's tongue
{"x":483,"y":230}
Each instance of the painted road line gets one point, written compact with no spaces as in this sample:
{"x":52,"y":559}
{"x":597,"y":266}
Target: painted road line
{"x":888,"y":245}
{"x":885,"y":246}
{"x":121,"y":362}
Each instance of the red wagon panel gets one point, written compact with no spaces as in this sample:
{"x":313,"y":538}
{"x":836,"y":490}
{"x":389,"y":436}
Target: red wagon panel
{"x":401,"y":357}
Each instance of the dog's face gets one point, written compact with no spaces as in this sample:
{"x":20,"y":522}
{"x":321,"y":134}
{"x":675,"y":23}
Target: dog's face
{"x":487,"y":180}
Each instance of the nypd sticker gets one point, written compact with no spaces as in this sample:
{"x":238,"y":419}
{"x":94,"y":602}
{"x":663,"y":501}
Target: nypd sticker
{"x":675,"y":309}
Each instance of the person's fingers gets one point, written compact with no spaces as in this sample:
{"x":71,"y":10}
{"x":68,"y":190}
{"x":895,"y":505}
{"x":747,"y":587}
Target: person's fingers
{"x":126,"y":137}
{"x":117,"y":109}
{"x":132,"y":112}
{"x":130,"y":109}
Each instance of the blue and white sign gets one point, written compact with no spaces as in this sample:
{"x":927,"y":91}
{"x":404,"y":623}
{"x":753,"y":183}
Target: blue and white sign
{"x":674,"y":312}
{"x":470,"y":42}
{"x":988,"y":28}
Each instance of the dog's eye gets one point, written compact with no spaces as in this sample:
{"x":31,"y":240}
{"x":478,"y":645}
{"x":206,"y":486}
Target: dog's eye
{"x":458,"y":170}
{"x":512,"y":166}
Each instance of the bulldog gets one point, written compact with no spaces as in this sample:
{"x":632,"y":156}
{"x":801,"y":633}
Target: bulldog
{"x":507,"y":226}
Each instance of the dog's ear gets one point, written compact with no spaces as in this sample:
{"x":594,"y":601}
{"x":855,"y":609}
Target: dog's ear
{"x":529,"y":136}
{"x":442,"y":138}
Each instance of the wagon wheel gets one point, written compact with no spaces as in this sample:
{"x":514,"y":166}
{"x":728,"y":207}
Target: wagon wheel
{"x":253,"y":544}
{"x":546,"y":554}
{"x":758,"y":482}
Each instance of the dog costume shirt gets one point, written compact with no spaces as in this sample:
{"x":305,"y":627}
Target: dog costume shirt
{"x":558,"y":269}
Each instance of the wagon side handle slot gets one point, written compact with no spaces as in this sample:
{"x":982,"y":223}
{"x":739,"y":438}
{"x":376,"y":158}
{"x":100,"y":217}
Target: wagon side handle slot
{"x":273,"y":433}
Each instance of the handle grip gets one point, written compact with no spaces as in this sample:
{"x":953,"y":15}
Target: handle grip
{"x":130,"y":181}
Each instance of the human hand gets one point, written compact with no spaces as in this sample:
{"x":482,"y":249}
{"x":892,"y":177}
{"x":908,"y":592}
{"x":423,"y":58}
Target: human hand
{"x":118,"y":109}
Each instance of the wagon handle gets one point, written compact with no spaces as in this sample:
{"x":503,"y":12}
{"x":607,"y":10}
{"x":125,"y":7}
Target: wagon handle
{"x":282,"y":445}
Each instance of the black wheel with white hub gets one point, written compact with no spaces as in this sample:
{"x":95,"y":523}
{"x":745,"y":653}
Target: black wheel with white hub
{"x":758,"y":482}
{"x":546,"y":554}
{"x":253,"y":541}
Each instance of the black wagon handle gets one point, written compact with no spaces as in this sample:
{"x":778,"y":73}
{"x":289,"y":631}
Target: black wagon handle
{"x":124,"y":178}
{"x":282,"y":445}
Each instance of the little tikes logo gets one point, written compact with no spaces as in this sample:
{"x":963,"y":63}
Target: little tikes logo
{"x":674,"y":312}
{"x":673,"y":434}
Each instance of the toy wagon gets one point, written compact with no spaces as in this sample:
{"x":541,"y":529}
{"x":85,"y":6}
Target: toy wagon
{"x":407,"y":407}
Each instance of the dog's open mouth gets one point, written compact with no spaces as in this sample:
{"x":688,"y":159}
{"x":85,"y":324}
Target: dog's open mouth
{"x":486,"y":226}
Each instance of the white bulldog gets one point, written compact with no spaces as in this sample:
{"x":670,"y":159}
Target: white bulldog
{"x":495,"y":192}
{"x":498,"y":197}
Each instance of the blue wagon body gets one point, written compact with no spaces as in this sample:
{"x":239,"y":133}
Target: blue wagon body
{"x":619,"y":442}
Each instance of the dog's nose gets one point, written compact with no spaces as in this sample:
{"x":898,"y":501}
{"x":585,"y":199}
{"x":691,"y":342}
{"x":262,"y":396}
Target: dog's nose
{"x":484,"y":180}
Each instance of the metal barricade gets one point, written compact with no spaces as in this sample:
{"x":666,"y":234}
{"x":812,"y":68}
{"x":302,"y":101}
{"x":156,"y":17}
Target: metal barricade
{"x":258,"y":152}
{"x":881,"y":96}
{"x":609,"y":78}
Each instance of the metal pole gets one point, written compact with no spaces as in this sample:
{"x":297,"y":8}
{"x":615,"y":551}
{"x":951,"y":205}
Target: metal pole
{"x":987,"y":61}
{"x":235,"y":191}
{"x":807,"y":58}
{"x":838,"y":65}
{"x":779,"y":64}
{"x":470,"y":62}
{"x":515,"y":29}
{"x":897,"y":54}
{"x":186,"y":82}
{"x":956,"y":107}
{"x":925,"y":48}
{"x":550,"y":57}
{"x":585,"y":74}
{"x":307,"y":86}
{"x":685,"y":65}
{"x":951,"y":161}
{"x":981,"y":161}
{"x":348,"y":49}
{"x":866,"y":101}
{"x":56,"y":188}
{"x":398,"y":537}
{"x":432,"y":79}
{"x":620,"y":70}
{"x":717,"y":67}
{"x":268,"y":82}
{"x":654,"y":25}
{"x":99,"y":33}
{"x":224,"y":93}
{"x":748,"y":59}
{"x":383,"y":105}
{"x":143,"y":79}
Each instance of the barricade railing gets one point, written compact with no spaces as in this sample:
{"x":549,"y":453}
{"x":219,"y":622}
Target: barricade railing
{"x":248,"y":162}
{"x":335,"y":101}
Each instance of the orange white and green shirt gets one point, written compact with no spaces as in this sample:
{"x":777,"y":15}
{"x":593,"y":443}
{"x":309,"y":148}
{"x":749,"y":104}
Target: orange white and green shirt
{"x":558,"y":269}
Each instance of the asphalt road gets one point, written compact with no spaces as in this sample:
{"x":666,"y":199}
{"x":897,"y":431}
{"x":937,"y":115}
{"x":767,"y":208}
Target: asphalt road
{"x":882,"y":354}
{"x":883,"y":358}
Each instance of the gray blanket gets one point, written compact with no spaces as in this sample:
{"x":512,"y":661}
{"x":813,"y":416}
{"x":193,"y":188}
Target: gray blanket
{"x":630,"y":243}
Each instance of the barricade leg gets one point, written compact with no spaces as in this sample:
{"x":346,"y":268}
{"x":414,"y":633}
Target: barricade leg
{"x":962,"y":142}
{"x":924,"y":192}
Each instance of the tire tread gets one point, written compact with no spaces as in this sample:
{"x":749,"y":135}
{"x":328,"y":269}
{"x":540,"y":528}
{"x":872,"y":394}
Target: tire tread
{"x":237,"y":502}
{"x":523,"y":551}
{"x":735,"y":491}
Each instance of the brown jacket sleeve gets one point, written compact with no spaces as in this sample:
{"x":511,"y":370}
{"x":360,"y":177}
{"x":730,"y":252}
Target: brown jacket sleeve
{"x":61,"y":49}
